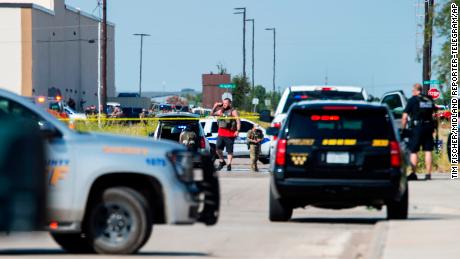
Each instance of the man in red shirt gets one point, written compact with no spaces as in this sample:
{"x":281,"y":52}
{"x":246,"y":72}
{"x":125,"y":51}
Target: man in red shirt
{"x":229,"y":127}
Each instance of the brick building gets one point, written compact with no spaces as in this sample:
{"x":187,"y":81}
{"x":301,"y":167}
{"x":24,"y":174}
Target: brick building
{"x":211,"y":91}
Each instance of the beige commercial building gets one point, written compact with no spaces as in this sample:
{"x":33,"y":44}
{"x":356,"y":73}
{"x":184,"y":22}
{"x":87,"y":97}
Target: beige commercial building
{"x":49,"y":48}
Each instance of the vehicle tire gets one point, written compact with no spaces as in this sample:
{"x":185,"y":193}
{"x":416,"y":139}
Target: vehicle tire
{"x":399,"y":209}
{"x":74,"y":243}
{"x":120,"y":222}
{"x":278,"y":212}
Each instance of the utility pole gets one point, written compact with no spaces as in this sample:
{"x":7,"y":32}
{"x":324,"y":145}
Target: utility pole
{"x":142,"y":35}
{"x":242,"y":10}
{"x":274,"y":57}
{"x":427,"y":44}
{"x":253,"y":47}
{"x":104,"y":56}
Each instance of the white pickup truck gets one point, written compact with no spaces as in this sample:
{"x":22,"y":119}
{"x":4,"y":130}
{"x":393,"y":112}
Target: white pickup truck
{"x":106,"y":191}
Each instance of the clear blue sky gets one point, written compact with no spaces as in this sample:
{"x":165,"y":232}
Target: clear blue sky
{"x":370,"y":43}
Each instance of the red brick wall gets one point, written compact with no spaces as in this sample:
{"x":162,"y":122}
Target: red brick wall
{"x":211,"y":91}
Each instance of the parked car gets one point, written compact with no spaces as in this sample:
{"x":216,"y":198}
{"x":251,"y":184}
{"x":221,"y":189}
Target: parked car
{"x":73,"y":115}
{"x":396,"y":102}
{"x":296,"y":94}
{"x":107,"y":191}
{"x":240,"y":148}
{"x":337,"y":155}
{"x":202,"y":111}
{"x":172,"y":124}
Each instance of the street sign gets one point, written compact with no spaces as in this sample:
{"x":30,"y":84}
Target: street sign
{"x":434,"y":93}
{"x":227,"y":86}
{"x":432,"y":82}
{"x":255,"y":101}
{"x":267,"y":102}
{"x":227,"y":95}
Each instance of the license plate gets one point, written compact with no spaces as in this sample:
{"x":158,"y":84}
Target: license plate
{"x":338,"y":158}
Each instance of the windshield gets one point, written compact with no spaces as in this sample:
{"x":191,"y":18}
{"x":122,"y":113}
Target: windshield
{"x":320,"y":124}
{"x":298,"y":96}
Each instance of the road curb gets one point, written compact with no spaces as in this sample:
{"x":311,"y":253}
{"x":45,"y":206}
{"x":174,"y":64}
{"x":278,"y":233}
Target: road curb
{"x":378,"y":241}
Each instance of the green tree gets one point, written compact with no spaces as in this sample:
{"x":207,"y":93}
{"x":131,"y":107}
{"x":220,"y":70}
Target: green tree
{"x":442,"y":27}
{"x":260,"y":93}
{"x":274,"y":98}
{"x":198,"y":99}
{"x":240,"y":93}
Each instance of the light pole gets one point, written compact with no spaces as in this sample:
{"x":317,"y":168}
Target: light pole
{"x":274,"y":57}
{"x":104,"y":57}
{"x":142,"y":35}
{"x":253,"y":39}
{"x":242,"y":10}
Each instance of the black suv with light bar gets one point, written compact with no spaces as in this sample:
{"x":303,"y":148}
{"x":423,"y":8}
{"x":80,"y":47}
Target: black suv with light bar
{"x":337,"y":155}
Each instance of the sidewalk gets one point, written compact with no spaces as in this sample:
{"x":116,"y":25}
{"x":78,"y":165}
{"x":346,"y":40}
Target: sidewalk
{"x":420,"y":239}
{"x":433,"y":227}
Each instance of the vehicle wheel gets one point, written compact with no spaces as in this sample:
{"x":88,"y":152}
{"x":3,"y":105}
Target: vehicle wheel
{"x":399,"y":209}
{"x":120,"y":222}
{"x":74,"y":243}
{"x":277,"y":210}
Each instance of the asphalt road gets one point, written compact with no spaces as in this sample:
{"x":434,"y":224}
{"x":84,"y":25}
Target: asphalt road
{"x":244,"y":231}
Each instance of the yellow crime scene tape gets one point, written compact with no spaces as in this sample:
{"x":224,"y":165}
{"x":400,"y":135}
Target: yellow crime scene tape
{"x":158,"y":119}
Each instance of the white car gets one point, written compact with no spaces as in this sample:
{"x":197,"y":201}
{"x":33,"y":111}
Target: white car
{"x":396,"y":102}
{"x":296,"y":94}
{"x":240,"y":148}
{"x":73,"y":115}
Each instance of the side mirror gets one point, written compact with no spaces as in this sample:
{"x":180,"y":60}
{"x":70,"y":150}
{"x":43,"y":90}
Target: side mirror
{"x":48,"y":131}
{"x":208,"y":134}
{"x":265,"y":116}
{"x":370,"y":98}
{"x":272,"y":131}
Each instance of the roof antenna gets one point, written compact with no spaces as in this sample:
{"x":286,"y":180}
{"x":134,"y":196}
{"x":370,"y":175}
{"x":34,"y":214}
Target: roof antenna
{"x":326,"y":78}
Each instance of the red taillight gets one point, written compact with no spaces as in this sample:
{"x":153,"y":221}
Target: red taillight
{"x":395,"y":152}
{"x":54,"y":225}
{"x":340,"y":108}
{"x":327,"y":89}
{"x":281,"y":152}
{"x":276,"y":125}
{"x":315,"y":117}
{"x":202,"y":143}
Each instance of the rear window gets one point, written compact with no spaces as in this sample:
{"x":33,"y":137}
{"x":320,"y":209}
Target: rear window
{"x":172,"y":129}
{"x":321,"y":95}
{"x":320,"y":124}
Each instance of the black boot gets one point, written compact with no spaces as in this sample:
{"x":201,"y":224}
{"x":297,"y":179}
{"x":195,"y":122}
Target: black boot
{"x":412,"y":177}
{"x":221,"y":165}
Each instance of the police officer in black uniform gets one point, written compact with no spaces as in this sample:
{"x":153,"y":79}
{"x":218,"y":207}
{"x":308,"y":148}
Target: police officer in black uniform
{"x":420,"y":109}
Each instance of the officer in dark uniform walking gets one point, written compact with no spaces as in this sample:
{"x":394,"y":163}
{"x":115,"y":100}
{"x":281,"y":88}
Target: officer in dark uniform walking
{"x":420,"y":110}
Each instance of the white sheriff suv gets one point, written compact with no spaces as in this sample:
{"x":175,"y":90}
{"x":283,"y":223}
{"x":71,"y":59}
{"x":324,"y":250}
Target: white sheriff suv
{"x":106,"y":191}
